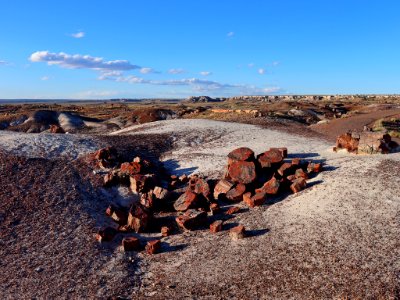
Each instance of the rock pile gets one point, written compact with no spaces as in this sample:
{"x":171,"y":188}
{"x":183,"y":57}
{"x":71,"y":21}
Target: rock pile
{"x":193,"y":201}
{"x":366,"y":142}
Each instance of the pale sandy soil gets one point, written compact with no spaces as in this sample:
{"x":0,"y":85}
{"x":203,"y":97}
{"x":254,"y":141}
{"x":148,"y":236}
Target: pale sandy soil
{"x":337,"y":239}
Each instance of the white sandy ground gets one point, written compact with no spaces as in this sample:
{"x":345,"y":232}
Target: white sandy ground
{"x":46,"y":144}
{"x":348,"y":220}
{"x":339,"y":235}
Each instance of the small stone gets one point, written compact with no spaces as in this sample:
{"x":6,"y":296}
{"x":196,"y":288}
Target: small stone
{"x":138,"y":218}
{"x":153,"y":247}
{"x":285,"y":169}
{"x":257,"y":200}
{"x":236,"y":194}
{"x":131,"y":244}
{"x":301,"y":174}
{"x":233,"y":210}
{"x":216,"y":226}
{"x":191,"y":219}
{"x":298,"y":185}
{"x":186,"y":200}
{"x":214,"y":208}
{"x":165,"y":231}
{"x":271,"y":187}
{"x":222,"y":187}
{"x":105,"y":234}
{"x":237,"y":233}
{"x":241,"y":154}
{"x":130,"y":169}
{"x":314,"y":167}
{"x":39,"y":269}
{"x":118,"y":215}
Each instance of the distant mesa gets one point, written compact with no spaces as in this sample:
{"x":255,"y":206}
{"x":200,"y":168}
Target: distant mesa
{"x":203,"y":99}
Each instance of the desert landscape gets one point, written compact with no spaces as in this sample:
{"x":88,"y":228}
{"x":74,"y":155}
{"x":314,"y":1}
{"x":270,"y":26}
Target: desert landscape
{"x":241,"y":198}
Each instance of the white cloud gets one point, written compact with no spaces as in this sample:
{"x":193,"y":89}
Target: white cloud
{"x":78,"y":61}
{"x":261,"y":71}
{"x":176,"y":71}
{"x":198,"y":85}
{"x":250,"y":65}
{"x":96,"y":94}
{"x":44,"y":78}
{"x":78,"y":35}
{"x":230,"y":34}
{"x":205,"y":73}
{"x":148,"y":71}
{"x":3,"y":63}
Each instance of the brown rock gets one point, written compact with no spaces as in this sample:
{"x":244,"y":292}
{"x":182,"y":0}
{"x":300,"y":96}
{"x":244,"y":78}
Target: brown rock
{"x":56,"y":129}
{"x":242,"y":172}
{"x":165,"y":231}
{"x":241,"y":154}
{"x":285,"y":169}
{"x":191,"y":219}
{"x":216,"y":226}
{"x":257,"y":200}
{"x":214,"y":208}
{"x":147,"y":199}
{"x":110,"y":179}
{"x":282,"y":150}
{"x":138,"y":218}
{"x":186,"y":200}
{"x":237,"y":233}
{"x":118,"y":215}
{"x":236,"y":194}
{"x":108,"y":153}
{"x":314,"y":167}
{"x":301,"y":174}
{"x":139,"y":183}
{"x":298,"y":185}
{"x":348,"y":142}
{"x":295,"y":161}
{"x":130,"y":168}
{"x":183,"y":178}
{"x":291,"y":177}
{"x":222,"y":187}
{"x":161,"y":193}
{"x":131,"y":244}
{"x":233,"y":210}
{"x":200,"y":186}
{"x":272,"y":156}
{"x":106,"y":234}
{"x":153,"y":247}
{"x":271,"y":187}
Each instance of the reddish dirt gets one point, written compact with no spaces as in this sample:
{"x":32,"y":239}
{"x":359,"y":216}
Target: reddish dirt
{"x":49,"y":213}
{"x":339,"y":126}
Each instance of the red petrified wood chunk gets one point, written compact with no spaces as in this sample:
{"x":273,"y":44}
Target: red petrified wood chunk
{"x":131,"y":244}
{"x":242,"y":172}
{"x":191,"y":219}
{"x":130,"y":168}
{"x":214,"y":208}
{"x":138,"y":218}
{"x":236,"y":193}
{"x":285,"y":169}
{"x":282,"y":150}
{"x":233,"y":210}
{"x":241,"y":154}
{"x":271,"y":187}
{"x":272,"y":156}
{"x":105,"y":234}
{"x":165,"y":231}
{"x":238,"y":232}
{"x":216,"y":226}
{"x":200,"y":186}
{"x":314,"y":167}
{"x":222,"y":187}
{"x":186,"y":200}
{"x":117,"y":214}
{"x":153,"y":247}
{"x":257,"y":200}
{"x":298,"y":185}
{"x":301,"y":174}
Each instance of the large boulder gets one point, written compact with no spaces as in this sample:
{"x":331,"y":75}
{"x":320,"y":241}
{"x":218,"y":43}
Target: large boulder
{"x":242,"y":172}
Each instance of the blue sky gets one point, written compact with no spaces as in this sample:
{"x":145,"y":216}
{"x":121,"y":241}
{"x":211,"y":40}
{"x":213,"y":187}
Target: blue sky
{"x":177,"y":48}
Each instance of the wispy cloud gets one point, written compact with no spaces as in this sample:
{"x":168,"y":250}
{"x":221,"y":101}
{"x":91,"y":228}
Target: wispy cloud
{"x":230,"y":34}
{"x":78,"y":61}
{"x":275,"y":63}
{"x":176,"y":71}
{"x":148,"y":71}
{"x":197,"y":85}
{"x":251,"y":65}
{"x":4,"y":63}
{"x":44,"y":78}
{"x":261,"y":71}
{"x":205,"y":73}
{"x":78,"y":35}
